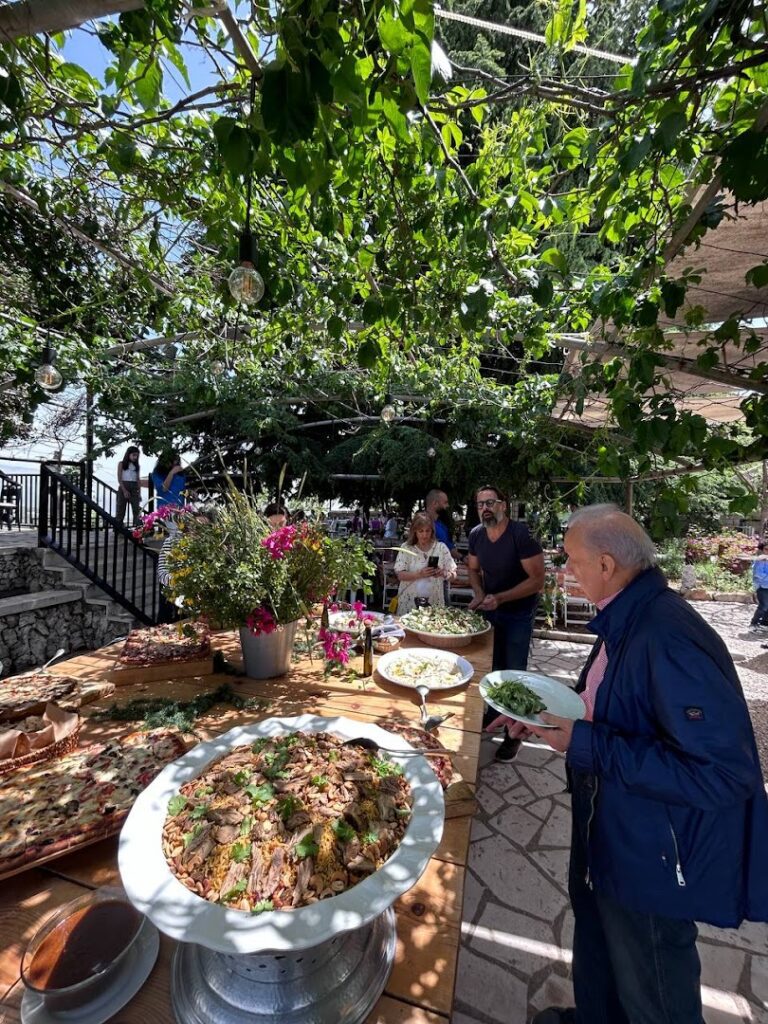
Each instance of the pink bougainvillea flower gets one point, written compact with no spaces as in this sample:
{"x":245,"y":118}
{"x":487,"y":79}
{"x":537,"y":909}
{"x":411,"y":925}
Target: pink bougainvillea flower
{"x":280,"y":542}
{"x":261,"y":620}
{"x":335,"y":645}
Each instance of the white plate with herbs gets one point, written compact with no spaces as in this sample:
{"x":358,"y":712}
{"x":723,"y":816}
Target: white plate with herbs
{"x":524,"y":695}
{"x":415,"y":666}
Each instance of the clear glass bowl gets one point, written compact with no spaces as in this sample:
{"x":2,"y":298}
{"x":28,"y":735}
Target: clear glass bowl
{"x":78,"y":951}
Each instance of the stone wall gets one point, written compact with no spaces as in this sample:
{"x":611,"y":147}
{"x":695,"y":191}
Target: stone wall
{"x":23,"y":570}
{"x":30,"y":638}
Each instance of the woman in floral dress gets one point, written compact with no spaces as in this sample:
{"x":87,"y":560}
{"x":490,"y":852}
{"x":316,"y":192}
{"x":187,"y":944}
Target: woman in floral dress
{"x":416,"y":577}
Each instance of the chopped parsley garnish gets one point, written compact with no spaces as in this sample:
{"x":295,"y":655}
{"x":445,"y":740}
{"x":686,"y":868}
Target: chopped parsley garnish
{"x":203,"y":791}
{"x":246,"y":826}
{"x":261,"y":906}
{"x":287,"y":806}
{"x":384,"y":767}
{"x":306,"y":848}
{"x":236,"y":890}
{"x":344,"y":832}
{"x":333,"y":755}
{"x":260,"y":794}
{"x":241,"y":778}
{"x":177,"y":804}
{"x":189,"y":836}
{"x":369,"y":837}
{"x":199,"y":811}
{"x":258,"y":745}
{"x":321,"y":781}
{"x":241,"y":852}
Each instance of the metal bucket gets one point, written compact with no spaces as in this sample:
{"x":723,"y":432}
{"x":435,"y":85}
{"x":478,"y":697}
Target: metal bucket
{"x":268,"y":654}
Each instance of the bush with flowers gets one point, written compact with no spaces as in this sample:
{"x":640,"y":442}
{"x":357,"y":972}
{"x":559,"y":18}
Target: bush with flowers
{"x":155,"y":524}
{"x":230,"y":567}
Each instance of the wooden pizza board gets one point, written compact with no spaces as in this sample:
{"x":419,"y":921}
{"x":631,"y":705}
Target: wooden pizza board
{"x":124,"y":675}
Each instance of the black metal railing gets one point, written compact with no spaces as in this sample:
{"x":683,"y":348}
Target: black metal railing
{"x":90,"y":539}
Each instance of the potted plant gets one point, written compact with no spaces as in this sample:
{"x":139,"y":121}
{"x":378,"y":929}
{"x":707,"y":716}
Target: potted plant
{"x":229,"y":567}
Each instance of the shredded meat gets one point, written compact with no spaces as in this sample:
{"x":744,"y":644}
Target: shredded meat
{"x":298,"y":819}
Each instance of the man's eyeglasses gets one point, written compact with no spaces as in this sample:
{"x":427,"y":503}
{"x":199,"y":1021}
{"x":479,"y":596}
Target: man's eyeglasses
{"x":488,"y":502}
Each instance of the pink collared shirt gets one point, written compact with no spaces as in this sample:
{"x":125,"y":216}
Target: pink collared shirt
{"x":597,"y":668}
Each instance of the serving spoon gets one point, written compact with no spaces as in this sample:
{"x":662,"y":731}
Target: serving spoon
{"x":50,"y":661}
{"x":368,"y":744}
{"x":423,"y":692}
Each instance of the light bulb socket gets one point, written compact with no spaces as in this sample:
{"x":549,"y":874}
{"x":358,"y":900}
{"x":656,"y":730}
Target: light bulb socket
{"x":247,"y":248}
{"x":48,"y":355}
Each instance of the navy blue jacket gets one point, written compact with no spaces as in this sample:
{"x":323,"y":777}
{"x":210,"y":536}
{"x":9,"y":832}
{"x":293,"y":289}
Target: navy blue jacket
{"x":680,"y":819}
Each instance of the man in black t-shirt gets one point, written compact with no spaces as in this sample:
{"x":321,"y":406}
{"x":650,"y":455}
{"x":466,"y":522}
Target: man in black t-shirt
{"x":506,"y":573}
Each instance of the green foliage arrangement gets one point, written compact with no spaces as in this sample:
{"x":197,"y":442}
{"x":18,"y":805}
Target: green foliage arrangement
{"x":229,"y":566}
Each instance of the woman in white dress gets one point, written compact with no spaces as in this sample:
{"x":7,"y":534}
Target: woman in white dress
{"x":417,"y":578}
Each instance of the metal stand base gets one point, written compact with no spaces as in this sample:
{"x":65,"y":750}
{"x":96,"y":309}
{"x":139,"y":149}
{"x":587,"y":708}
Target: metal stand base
{"x":337,"y":982}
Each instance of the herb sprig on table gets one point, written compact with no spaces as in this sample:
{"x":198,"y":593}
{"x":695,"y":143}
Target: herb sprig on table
{"x":166,"y":713}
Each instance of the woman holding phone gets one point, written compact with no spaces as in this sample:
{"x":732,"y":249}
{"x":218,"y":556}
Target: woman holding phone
{"x":421,"y":566}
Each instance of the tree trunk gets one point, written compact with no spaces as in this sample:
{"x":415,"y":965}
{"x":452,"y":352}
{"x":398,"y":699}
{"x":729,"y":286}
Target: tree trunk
{"x":30,"y":17}
{"x":764,"y":500}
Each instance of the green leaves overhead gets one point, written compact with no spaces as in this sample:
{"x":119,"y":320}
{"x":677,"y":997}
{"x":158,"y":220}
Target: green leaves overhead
{"x":567,"y":26}
{"x":289,"y":104}
{"x":744,"y":166}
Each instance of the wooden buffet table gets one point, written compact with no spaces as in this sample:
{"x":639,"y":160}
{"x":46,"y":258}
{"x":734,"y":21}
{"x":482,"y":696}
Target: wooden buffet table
{"x":420,"y":987}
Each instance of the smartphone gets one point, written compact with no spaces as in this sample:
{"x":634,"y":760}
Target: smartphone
{"x":432,"y":561}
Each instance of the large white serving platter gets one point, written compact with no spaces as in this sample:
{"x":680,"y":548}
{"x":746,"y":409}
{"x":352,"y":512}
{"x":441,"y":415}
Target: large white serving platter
{"x":560,"y":699}
{"x":155,"y":891}
{"x":387,"y":662}
{"x":448,"y":641}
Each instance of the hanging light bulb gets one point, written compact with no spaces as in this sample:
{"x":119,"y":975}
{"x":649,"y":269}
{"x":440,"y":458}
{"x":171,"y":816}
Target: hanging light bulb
{"x":388,"y":412}
{"x":431,"y":453}
{"x":46,"y":375}
{"x":245,"y":282}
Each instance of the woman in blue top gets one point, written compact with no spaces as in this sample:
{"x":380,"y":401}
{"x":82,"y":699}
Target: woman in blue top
{"x":169,"y":480}
{"x":759,"y":623}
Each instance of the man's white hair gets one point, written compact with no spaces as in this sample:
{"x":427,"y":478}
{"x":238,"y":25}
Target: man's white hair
{"x":607,"y":530}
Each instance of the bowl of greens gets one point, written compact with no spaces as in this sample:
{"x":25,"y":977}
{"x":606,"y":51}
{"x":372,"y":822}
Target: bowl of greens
{"x":447,"y":628}
{"x":524,"y":695}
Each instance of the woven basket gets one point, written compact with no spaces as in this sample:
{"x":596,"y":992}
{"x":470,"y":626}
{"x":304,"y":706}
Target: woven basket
{"x":49,"y":753}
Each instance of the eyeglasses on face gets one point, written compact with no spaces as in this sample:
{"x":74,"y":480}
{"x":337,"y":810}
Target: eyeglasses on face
{"x":488,"y":502}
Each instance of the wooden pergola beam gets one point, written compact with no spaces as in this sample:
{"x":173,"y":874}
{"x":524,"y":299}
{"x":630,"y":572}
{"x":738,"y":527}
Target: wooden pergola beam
{"x":728,"y":378}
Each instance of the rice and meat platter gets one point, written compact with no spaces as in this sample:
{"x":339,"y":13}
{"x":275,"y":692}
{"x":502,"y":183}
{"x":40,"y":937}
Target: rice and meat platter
{"x":285,"y":821}
{"x":446,"y":621}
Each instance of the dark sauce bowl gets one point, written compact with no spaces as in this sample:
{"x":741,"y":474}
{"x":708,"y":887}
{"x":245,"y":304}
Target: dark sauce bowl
{"x":80,"y":949}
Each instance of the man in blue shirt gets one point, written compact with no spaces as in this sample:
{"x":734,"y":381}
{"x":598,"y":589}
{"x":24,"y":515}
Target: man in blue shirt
{"x":759,"y":623}
{"x":434,"y":503}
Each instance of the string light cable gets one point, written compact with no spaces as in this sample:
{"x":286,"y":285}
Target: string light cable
{"x":533,"y":37}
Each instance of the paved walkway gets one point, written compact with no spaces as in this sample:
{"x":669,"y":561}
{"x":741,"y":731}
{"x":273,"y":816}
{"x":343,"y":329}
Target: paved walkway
{"x":518,"y":927}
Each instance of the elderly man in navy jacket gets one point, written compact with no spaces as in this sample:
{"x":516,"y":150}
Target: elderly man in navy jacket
{"x":670,"y":817}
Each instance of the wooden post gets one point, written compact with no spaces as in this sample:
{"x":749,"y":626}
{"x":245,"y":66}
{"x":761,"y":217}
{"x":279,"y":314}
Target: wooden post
{"x":628,"y":496}
{"x":764,"y":500}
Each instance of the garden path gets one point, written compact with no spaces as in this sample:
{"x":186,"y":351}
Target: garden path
{"x":517,"y":925}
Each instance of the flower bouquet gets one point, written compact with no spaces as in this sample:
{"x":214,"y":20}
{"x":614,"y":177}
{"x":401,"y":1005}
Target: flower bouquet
{"x":228,"y":566}
{"x":160,"y":522}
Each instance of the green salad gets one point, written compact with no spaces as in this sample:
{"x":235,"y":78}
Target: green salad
{"x":519,"y":699}
{"x":448,"y":621}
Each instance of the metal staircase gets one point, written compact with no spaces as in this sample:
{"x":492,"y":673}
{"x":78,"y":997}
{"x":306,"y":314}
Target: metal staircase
{"x":92,"y":542}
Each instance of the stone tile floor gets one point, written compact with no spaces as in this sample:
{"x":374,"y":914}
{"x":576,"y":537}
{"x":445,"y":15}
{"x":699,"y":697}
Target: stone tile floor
{"x":517,"y":924}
